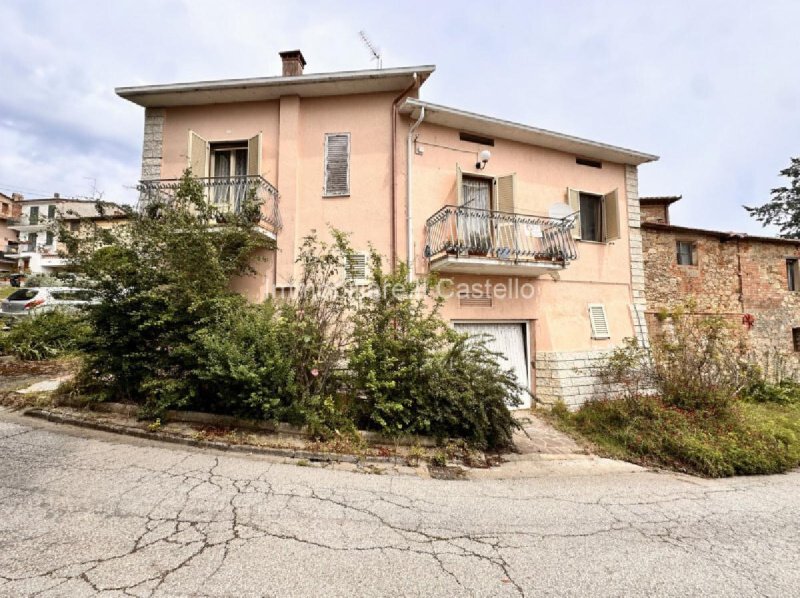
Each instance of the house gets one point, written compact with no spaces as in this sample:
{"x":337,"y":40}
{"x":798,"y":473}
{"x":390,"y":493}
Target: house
{"x":36,"y":223}
{"x":537,"y":231}
{"x":8,"y":236}
{"x":753,"y":281}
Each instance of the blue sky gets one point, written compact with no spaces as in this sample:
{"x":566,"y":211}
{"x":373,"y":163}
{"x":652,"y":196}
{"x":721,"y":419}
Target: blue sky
{"x":711,"y":87}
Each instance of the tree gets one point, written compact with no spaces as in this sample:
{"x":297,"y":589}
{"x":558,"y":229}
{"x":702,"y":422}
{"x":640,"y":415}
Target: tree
{"x":783,"y":210}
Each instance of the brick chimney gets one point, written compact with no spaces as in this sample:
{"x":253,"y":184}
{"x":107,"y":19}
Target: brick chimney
{"x":17,"y":197}
{"x":293,"y":63}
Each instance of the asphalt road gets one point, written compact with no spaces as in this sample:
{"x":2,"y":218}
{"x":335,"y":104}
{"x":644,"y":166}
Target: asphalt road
{"x":85,"y":513}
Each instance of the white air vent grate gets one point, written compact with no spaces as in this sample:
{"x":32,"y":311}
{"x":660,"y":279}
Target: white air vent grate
{"x":474,"y":300}
{"x":355,"y":267}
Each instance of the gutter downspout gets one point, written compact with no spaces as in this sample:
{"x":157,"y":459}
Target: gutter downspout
{"x":393,"y":168}
{"x":409,"y":220}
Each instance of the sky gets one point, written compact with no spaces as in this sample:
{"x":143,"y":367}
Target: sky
{"x":710,"y":87}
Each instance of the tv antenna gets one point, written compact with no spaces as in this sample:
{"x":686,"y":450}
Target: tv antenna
{"x":374,"y":50}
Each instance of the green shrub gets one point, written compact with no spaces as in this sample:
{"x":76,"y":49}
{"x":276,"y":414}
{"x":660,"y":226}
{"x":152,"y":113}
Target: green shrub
{"x":652,"y":432}
{"x":415,"y":375}
{"x":45,"y":335}
{"x":785,"y":392}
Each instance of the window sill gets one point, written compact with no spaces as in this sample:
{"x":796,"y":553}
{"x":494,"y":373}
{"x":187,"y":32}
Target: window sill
{"x":345,"y":196}
{"x":594,"y":242}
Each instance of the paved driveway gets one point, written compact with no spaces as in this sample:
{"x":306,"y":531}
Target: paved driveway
{"x":84,"y":513}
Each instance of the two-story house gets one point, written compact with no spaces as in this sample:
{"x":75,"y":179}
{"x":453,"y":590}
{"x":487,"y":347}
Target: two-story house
{"x":36,"y":223}
{"x":537,"y":231}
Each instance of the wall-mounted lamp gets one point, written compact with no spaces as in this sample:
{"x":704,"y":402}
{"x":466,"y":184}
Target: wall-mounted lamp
{"x":483,"y":158}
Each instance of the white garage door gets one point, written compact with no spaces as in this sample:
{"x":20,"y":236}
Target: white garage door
{"x":510,"y":341}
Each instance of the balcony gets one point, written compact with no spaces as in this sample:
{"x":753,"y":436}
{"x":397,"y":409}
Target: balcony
{"x":226,"y":194}
{"x":26,"y":224}
{"x":462,"y":240}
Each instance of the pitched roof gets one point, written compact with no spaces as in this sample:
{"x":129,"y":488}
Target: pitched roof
{"x":268,"y":88}
{"x":660,"y":200}
{"x":721,"y":235}
{"x":504,"y":129}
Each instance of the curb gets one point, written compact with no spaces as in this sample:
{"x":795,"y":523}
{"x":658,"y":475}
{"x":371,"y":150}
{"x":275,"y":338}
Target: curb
{"x":61,"y":418}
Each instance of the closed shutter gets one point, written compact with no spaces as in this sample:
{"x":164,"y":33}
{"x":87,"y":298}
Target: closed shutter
{"x":574,"y":201}
{"x":355,"y":267}
{"x":505,"y":193}
{"x":598,"y":320}
{"x":611,"y":225}
{"x":198,"y":155}
{"x":254,"y":155}
{"x":337,"y":164}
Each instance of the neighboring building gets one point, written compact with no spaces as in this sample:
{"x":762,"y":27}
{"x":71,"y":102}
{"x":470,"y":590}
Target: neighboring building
{"x":8,"y":237}
{"x":479,"y":200}
{"x":754,"y":281}
{"x":36,"y":221}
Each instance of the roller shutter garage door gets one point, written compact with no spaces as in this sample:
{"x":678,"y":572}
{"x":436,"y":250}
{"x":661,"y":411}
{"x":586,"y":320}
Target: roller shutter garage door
{"x":510,"y":341}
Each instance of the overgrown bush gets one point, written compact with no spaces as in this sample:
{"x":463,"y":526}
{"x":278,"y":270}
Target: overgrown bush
{"x":681,"y":404}
{"x":45,"y":335}
{"x":169,"y":334}
{"x":414,"y":374}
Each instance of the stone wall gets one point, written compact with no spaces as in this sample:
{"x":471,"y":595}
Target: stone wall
{"x":153,"y":143}
{"x":638,"y":282}
{"x":654,"y":213}
{"x":713,"y":286}
{"x":569,"y":377}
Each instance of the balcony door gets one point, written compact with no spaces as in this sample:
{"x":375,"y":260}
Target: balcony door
{"x":475,"y":226}
{"x":229,"y":167}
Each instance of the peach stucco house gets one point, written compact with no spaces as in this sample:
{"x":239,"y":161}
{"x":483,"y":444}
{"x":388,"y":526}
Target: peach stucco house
{"x":538,"y":231}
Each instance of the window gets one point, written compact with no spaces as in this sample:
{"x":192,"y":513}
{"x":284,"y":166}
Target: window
{"x":33,"y":217}
{"x":796,"y":338}
{"x":32,"y":241}
{"x":356,"y":267}
{"x":793,"y":274}
{"x":598,"y":215}
{"x":23,"y":295}
{"x":48,"y":238}
{"x":228,"y":161}
{"x":599,"y":322}
{"x":201,"y":157}
{"x":686,"y":253}
{"x":74,"y":225}
{"x":337,"y":164}
{"x":51,"y":212}
{"x":473,"y":138}
{"x":587,"y":162}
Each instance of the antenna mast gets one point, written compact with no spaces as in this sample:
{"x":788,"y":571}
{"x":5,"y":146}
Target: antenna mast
{"x":375,"y":51}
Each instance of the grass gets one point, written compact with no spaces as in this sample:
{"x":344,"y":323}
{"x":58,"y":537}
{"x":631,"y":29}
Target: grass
{"x":6,"y":291}
{"x":747,"y":438}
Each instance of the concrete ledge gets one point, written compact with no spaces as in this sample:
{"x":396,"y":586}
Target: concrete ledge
{"x":63,"y":418}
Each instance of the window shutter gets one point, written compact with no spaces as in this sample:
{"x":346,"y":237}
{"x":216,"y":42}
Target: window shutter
{"x":337,"y":164}
{"x":355,"y":267}
{"x":459,"y":186}
{"x":574,"y":201}
{"x":598,"y":320}
{"x":198,"y":155}
{"x":505,"y":193}
{"x":611,"y":225}
{"x":254,"y":155}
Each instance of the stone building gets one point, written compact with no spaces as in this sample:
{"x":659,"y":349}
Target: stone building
{"x":753,"y":280}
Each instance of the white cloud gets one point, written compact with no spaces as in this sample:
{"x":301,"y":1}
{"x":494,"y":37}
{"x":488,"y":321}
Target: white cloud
{"x":708,"y":86}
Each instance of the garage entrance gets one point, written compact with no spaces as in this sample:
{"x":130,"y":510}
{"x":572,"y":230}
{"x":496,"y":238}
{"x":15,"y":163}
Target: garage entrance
{"x":511,"y":342}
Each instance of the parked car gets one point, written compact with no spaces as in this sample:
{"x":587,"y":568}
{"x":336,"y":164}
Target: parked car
{"x":27,"y":301}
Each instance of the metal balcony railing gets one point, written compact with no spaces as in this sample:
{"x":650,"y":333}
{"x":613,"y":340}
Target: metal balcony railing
{"x":226,"y":194}
{"x":463,"y":231}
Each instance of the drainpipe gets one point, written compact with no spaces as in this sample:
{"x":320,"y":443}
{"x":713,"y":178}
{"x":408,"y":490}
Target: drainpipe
{"x":393,"y":168}
{"x":409,"y":220}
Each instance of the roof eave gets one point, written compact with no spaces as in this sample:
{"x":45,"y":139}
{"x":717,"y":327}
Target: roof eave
{"x":253,"y":89}
{"x":505,"y":129}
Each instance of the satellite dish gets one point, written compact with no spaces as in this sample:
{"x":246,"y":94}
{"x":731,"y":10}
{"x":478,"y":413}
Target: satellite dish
{"x":559,"y":210}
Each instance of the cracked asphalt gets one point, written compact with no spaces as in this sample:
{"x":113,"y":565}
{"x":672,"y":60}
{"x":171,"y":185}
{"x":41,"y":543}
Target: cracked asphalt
{"x":85,"y":513}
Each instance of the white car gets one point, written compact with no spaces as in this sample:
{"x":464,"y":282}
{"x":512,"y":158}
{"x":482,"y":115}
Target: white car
{"x":27,"y":301}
